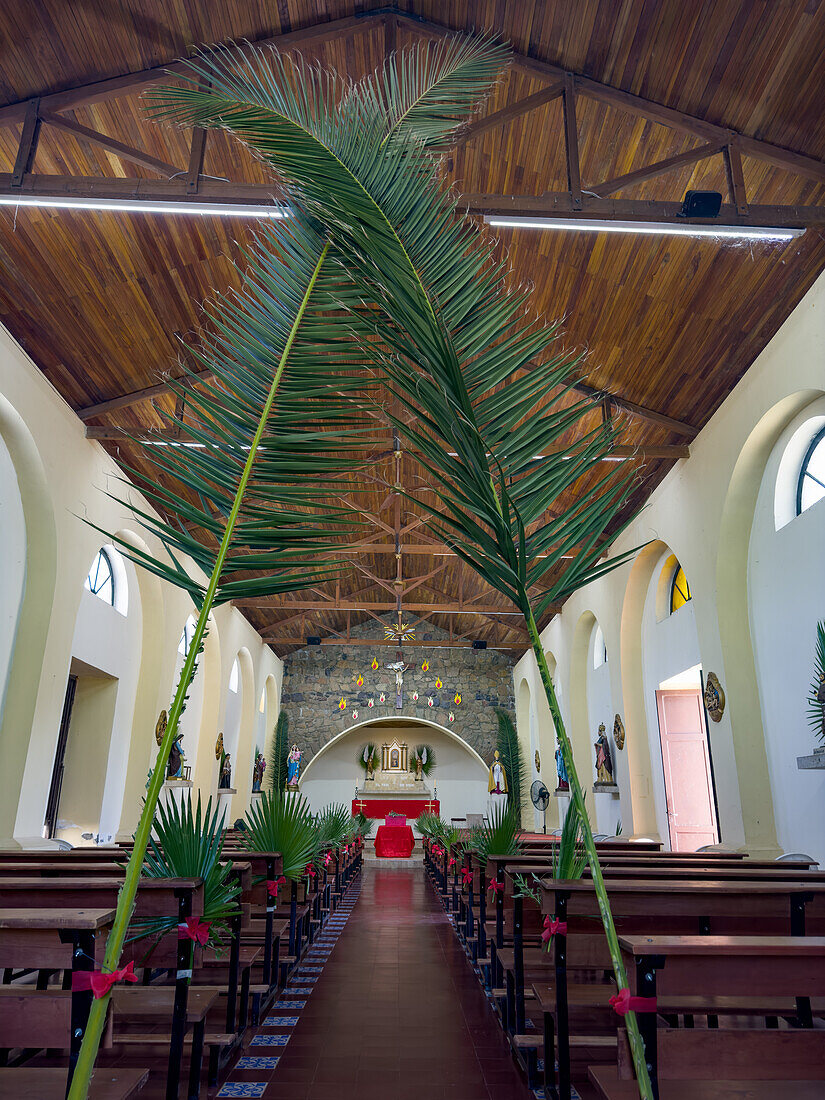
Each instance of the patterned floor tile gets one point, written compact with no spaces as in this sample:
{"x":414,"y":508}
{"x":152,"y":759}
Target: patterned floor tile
{"x":289,"y":1004}
{"x":298,"y":989}
{"x":311,"y":970}
{"x":243,"y":1088}
{"x":280,"y":1021}
{"x":252,"y":1062}
{"x":269,"y":1040}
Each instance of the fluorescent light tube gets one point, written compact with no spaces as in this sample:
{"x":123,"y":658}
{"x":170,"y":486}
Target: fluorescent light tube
{"x":140,"y":206}
{"x":688,"y":229}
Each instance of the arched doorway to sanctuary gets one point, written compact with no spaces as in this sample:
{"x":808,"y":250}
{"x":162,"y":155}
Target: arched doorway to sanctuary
{"x":458,"y":778}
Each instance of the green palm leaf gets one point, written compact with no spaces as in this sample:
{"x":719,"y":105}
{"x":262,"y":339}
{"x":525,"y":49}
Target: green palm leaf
{"x":189,"y":845}
{"x":484,"y":391}
{"x":281,"y":821}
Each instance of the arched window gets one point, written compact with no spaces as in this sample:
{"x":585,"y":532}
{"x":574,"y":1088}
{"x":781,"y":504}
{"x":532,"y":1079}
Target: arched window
{"x":101,"y":578}
{"x":599,"y":648}
{"x":811,"y":484}
{"x":235,"y":677}
{"x":187,"y":636}
{"x":680,"y":592}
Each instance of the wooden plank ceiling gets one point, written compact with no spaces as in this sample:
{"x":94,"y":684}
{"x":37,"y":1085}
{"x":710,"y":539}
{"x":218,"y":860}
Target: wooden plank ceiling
{"x":669,"y":324}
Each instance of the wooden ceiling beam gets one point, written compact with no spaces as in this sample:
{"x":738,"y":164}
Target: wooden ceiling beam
{"x":558,"y":205}
{"x":388,"y":18}
{"x":86,"y":94}
{"x":110,"y":144}
{"x":509,"y":113}
{"x":550,"y":204}
{"x":263,"y":603}
{"x":135,"y":397}
{"x":659,"y":168}
{"x":642,"y":452}
{"x":300,"y":643}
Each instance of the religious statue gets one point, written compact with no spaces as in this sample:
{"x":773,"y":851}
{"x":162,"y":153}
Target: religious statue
{"x":177,"y":758}
{"x":419,"y":769}
{"x":160,"y":728}
{"x":293,"y":766}
{"x":820,"y":698}
{"x":604,"y":763}
{"x":498,"y":777}
{"x":370,"y":757}
{"x":225,"y":781}
{"x":258,"y":770}
{"x":561,"y":769}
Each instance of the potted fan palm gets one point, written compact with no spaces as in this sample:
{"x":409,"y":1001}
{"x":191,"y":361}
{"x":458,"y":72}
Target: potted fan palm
{"x":187,"y":844}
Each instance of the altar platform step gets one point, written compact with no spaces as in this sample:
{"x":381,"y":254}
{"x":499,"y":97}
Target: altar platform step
{"x":415,"y":860}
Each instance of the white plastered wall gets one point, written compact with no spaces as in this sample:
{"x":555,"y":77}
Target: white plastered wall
{"x":62,"y":478}
{"x":703,"y":512}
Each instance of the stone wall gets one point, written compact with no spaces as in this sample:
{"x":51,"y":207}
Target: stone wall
{"x":316,"y":678}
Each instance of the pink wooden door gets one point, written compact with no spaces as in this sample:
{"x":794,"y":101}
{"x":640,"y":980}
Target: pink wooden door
{"x":691,"y":812}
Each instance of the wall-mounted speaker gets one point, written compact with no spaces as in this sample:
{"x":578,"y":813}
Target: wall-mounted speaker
{"x":701,"y":204}
{"x":479,"y":644}
{"x":313,"y":640}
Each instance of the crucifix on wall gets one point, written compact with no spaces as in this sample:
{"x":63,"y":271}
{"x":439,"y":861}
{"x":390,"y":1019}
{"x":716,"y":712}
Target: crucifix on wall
{"x":399,"y":668}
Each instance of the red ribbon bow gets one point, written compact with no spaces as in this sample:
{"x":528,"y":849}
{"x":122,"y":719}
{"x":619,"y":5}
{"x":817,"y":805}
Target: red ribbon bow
{"x":328,"y":859}
{"x":194,"y":929}
{"x":496,"y":887}
{"x":451,"y":862}
{"x":622,"y":1003}
{"x":274,"y":885}
{"x":101,"y":983}
{"x":468,"y":876}
{"x":553,"y":927}
{"x":309,"y":870}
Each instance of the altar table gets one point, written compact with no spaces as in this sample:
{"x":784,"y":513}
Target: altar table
{"x":394,"y":841}
{"x":409,"y":807}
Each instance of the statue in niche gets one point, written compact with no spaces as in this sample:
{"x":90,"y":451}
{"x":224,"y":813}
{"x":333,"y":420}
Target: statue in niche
{"x":258,"y":771}
{"x":561,"y":769}
{"x":225,"y":781}
{"x":604,"y":762}
{"x":820,"y":698}
{"x":293,"y":766}
{"x":419,"y":769}
{"x":177,"y":759}
{"x":497,"y":783}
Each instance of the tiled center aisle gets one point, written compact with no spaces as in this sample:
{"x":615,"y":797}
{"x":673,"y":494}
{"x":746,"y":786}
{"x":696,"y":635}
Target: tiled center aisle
{"x":396,"y":1013}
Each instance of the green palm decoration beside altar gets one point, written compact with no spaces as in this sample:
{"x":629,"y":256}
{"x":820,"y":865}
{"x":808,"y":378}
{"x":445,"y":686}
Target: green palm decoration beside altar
{"x":482,"y":393}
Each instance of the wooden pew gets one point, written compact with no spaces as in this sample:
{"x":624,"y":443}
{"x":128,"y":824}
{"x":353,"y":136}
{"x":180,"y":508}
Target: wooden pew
{"x":71,"y":940}
{"x":709,"y":967}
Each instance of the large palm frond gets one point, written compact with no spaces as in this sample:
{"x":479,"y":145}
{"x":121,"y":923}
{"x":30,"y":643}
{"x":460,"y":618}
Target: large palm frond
{"x":486,"y":394}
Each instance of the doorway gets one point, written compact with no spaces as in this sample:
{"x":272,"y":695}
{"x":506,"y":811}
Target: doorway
{"x":56,"y":784}
{"x":689,"y":793}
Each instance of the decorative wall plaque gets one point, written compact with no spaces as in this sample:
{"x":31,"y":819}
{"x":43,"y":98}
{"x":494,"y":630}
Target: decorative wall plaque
{"x":538,"y":761}
{"x":618,"y":731}
{"x":714,"y":697}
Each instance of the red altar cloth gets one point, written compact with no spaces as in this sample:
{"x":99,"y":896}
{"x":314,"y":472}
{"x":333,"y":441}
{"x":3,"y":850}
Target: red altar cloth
{"x":409,"y":807}
{"x":394,"y":841}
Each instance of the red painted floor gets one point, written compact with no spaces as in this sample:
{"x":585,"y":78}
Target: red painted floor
{"x":397,"y":1013}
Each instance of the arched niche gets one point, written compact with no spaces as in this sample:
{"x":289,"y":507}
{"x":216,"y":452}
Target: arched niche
{"x":591,"y":705}
{"x":205,"y":769}
{"x":786,"y":599}
{"x":104,"y":669}
{"x":580,"y":732}
{"x":460,"y":775}
{"x":637,"y":744}
{"x":241,"y":742}
{"x":123,"y":801}
{"x":25,"y":663}
{"x":742,"y":722}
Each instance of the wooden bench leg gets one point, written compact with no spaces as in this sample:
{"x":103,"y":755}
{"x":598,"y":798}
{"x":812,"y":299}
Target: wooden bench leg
{"x":244,"y":1011}
{"x":196,"y":1060}
{"x":550,"y":1090}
